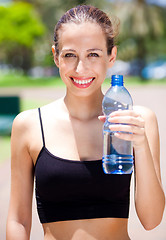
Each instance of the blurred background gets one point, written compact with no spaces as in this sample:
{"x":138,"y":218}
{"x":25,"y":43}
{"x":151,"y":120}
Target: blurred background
{"x":29,"y":77}
{"x":26,"y":36}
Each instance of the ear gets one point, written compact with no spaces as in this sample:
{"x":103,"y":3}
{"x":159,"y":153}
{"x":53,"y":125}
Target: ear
{"x":112,"y":56}
{"x":56,"y":60}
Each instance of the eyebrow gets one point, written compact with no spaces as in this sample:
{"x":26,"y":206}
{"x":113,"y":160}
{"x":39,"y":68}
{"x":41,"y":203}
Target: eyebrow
{"x":94,"y":49}
{"x":70,"y":50}
{"x":89,"y":50}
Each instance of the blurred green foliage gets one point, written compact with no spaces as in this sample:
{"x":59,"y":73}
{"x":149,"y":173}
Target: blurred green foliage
{"x":27,"y":29}
{"x":20,"y":27}
{"x":142,"y":30}
{"x":19,"y":24}
{"x":50,"y":12}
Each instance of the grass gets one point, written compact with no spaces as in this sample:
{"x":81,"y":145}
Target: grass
{"x":30,"y":104}
{"x":20,"y":80}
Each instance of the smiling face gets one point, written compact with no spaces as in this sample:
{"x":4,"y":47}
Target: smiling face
{"x":83,"y":60}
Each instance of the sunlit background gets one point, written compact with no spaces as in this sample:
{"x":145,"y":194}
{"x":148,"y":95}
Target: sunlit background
{"x":26,"y":36}
{"x":29,"y":77}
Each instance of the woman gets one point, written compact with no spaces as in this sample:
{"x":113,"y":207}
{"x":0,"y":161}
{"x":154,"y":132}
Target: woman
{"x":61,"y":144}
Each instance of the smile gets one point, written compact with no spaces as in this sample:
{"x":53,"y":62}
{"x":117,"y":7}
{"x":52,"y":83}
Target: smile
{"x":82,"y":83}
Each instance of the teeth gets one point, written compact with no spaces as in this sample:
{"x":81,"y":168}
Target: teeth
{"x":83,"y":81}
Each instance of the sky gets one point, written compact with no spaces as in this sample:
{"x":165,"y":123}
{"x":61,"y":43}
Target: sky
{"x":4,"y":2}
{"x":161,"y":3}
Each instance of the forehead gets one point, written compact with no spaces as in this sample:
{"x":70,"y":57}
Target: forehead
{"x":82,"y":35}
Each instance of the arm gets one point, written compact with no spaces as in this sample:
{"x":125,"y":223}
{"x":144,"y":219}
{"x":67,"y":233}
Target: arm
{"x":20,"y":207}
{"x":149,"y":195}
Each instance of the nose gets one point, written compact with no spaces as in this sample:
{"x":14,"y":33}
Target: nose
{"x":81,"y":66}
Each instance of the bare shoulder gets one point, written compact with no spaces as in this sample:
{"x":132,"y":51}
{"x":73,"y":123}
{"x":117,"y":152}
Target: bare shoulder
{"x":23,"y":121}
{"x":26,"y":136}
{"x":27,"y":122}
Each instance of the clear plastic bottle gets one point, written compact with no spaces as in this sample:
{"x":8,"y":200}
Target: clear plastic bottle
{"x":117,"y":153}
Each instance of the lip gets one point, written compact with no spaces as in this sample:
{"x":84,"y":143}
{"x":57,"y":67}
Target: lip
{"x":82,"y":82}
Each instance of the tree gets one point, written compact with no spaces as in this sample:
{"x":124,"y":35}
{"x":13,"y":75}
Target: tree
{"x":50,"y":11}
{"x":20,"y":27}
{"x":142,"y":26}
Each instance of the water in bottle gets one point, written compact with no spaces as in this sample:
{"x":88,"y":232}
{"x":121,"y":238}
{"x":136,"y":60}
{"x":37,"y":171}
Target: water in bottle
{"x":117,"y":153}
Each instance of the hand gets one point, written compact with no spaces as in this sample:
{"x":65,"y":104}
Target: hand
{"x":129,"y":124}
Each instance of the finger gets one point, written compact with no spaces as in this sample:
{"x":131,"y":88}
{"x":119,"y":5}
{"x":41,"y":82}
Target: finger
{"x":136,"y":139}
{"x":102,"y":118}
{"x":127,"y":129}
{"x":124,"y":113}
{"x":124,"y":136}
{"x":130,"y":120}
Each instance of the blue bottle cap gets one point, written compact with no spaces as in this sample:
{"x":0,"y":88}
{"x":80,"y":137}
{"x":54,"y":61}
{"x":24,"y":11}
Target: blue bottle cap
{"x":117,"y":80}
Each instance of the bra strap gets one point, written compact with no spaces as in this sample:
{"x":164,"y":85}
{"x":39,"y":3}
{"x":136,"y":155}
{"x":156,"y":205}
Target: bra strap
{"x":41,"y":126}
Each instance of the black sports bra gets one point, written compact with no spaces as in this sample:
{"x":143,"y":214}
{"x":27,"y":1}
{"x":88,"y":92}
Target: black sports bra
{"x":73,"y":190}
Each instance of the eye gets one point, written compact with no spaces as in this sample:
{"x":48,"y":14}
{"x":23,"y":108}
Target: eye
{"x":93,"y":55}
{"x":68,"y":55}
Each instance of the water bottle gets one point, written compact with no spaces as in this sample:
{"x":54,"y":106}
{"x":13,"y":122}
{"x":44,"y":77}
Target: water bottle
{"x":117,"y":153}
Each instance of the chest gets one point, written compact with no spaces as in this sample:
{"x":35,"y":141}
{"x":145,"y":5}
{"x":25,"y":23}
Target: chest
{"x":75,"y":140}
{"x":60,"y":179}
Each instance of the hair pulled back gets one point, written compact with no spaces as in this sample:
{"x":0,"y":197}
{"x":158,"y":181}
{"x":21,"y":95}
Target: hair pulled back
{"x":87,"y":13}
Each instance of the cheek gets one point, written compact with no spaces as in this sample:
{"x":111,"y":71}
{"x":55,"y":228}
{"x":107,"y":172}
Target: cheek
{"x":98,"y":63}
{"x":63,"y":67}
{"x":67,"y":65}
{"x":102,"y":67}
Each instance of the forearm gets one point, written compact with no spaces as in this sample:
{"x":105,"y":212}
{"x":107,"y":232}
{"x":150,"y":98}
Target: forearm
{"x":149,"y":196}
{"x":16,"y":231}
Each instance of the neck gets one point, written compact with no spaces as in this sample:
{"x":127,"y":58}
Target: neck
{"x":84,"y":108}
